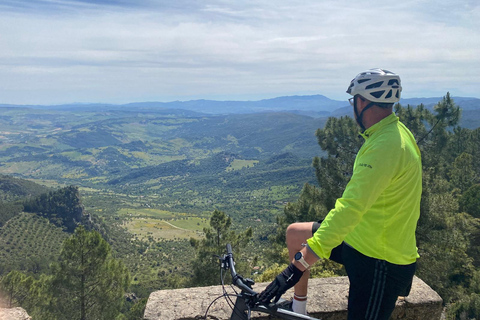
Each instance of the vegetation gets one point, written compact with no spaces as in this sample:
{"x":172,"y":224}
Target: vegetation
{"x":86,"y":282}
{"x":29,"y":243}
{"x":206,"y":263}
{"x":62,"y":207}
{"x":448,"y":232}
{"x":12,"y":189}
{"x":150,"y":191}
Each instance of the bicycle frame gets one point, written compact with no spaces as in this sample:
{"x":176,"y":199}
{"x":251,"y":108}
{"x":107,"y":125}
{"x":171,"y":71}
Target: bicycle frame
{"x":241,"y":312}
{"x":246,"y":302}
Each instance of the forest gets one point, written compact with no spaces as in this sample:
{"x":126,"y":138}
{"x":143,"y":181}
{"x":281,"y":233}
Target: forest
{"x":118,"y":219}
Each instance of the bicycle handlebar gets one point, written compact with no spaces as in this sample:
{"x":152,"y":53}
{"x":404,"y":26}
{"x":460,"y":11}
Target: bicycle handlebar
{"x":250,"y":297}
{"x":238,"y":280}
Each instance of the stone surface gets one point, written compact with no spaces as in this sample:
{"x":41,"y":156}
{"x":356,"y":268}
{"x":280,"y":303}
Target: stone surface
{"x":14,"y":314}
{"x":327,"y":300}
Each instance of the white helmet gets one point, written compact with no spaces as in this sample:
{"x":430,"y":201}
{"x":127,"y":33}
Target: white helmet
{"x":377,"y":85}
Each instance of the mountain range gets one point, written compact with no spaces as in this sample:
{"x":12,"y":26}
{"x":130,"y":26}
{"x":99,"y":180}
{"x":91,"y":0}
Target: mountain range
{"x":312,"y":105}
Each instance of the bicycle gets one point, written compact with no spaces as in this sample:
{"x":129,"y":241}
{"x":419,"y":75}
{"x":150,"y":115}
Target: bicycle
{"x":247,"y":300}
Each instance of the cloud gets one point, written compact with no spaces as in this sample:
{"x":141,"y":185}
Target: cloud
{"x":121,"y":51}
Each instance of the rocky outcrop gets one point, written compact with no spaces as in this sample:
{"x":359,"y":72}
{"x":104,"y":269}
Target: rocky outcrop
{"x":327,"y":299}
{"x":14,"y":314}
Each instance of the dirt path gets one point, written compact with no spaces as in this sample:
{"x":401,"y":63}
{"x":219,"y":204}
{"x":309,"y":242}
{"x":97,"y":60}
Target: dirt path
{"x":175,"y":226}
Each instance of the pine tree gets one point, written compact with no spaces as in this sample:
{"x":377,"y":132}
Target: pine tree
{"x":340,"y":139}
{"x":470,"y":201}
{"x":462,"y":175}
{"x":88,"y":283}
{"x":206,"y":263}
{"x":16,"y":286}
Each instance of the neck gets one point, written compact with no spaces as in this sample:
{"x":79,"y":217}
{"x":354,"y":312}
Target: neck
{"x":375,"y":115}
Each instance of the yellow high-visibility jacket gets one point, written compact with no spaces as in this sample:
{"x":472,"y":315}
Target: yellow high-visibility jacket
{"x":378,"y":212}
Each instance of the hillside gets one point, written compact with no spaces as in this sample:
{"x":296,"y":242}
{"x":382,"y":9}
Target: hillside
{"x":29,"y":242}
{"x":14,"y":189}
{"x":88,"y":148}
{"x":158,"y":151}
{"x":91,"y":144}
{"x":34,"y":222}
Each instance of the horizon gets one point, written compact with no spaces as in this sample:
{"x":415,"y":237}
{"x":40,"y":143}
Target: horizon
{"x":213,"y":100}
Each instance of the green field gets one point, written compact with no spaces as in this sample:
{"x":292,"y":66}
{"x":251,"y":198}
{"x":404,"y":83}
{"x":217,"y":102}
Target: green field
{"x":148,"y":212}
{"x":143,"y":228}
{"x":238,"y":164}
{"x":143,"y":223}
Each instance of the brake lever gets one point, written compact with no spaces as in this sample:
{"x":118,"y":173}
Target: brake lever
{"x":247,"y":281}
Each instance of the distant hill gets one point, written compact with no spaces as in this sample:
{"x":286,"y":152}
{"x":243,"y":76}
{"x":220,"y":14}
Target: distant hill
{"x":312,"y":105}
{"x":95,"y":144}
{"x":74,"y":146}
{"x":255,"y":136}
{"x":175,"y":173}
{"x":470,"y":119}
{"x":14,"y":189}
{"x":470,"y":109}
{"x":465,"y":103}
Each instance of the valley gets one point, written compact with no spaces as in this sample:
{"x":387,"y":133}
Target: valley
{"x":150,"y":178}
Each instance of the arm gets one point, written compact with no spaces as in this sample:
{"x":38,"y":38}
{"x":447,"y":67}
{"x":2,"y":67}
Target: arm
{"x":372,"y":174}
{"x":310,"y":257}
{"x":373,"y":171}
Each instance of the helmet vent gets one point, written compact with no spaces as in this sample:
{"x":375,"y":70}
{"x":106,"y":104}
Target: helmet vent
{"x":389,"y":94}
{"x":363,"y":80}
{"x":374,"y":85}
{"x":377,"y":94}
{"x":349,"y":90}
{"x":392,"y":82}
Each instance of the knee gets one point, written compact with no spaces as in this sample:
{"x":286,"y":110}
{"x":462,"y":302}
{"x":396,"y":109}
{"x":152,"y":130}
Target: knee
{"x":297,"y":233}
{"x":294,"y":234}
{"x":291,"y":230}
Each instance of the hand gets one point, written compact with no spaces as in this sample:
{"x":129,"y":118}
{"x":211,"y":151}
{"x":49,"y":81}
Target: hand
{"x":284,"y":281}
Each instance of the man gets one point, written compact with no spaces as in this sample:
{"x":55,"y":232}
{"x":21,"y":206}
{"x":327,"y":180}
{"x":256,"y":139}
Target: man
{"x":371,"y":230}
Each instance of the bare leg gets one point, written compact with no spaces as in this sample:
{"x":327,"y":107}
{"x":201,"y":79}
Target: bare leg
{"x":297,"y":234}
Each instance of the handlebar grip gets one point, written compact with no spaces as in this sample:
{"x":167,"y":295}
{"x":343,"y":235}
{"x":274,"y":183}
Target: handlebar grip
{"x":229,"y":248}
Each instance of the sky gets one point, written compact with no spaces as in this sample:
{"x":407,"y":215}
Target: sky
{"x":121,"y":51}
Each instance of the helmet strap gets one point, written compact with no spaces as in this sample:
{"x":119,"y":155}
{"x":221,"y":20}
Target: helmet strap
{"x":359,"y":117}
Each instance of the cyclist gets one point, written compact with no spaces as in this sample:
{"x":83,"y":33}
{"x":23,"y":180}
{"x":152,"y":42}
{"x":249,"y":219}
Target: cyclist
{"x":371,"y":230}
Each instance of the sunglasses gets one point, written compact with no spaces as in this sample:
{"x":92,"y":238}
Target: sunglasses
{"x":352,"y":101}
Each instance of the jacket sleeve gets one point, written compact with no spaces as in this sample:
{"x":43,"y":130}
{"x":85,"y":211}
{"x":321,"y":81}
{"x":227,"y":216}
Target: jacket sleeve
{"x":373,"y":171}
